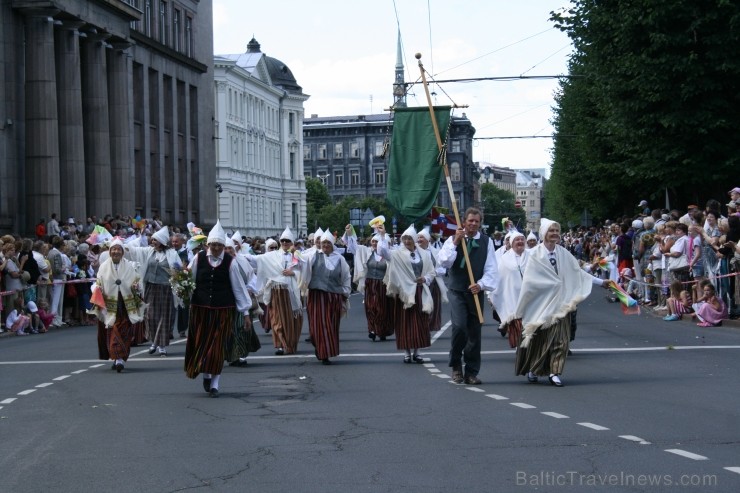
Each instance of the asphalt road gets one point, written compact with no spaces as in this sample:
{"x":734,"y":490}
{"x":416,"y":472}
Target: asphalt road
{"x":647,"y":406}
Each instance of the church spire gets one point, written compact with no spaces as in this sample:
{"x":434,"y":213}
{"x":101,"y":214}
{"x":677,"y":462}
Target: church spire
{"x":399,"y":88}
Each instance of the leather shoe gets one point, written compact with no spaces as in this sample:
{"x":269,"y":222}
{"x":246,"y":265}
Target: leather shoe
{"x":457,"y":376}
{"x":371,"y":335}
{"x":207,"y":384}
{"x":417,"y":359}
{"x":407,"y":359}
{"x":472,"y":380}
{"x":555,"y":380}
{"x":119,"y":367}
{"x":531,"y":377}
{"x":214,"y":393}
{"x":152,"y":349}
{"x":325,"y":361}
{"x":382,"y":338}
{"x":280,"y":351}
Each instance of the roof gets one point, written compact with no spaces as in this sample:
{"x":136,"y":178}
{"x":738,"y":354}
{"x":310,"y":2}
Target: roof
{"x":279,"y":73}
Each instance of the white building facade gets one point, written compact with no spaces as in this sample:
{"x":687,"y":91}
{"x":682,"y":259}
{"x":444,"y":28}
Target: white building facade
{"x":259,"y":144}
{"x":530,"y":186}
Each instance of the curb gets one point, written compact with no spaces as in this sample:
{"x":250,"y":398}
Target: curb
{"x":660,"y":314}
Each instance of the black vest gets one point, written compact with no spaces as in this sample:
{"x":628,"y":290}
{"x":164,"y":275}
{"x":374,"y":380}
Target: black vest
{"x":212,"y":284}
{"x":459,"y":279}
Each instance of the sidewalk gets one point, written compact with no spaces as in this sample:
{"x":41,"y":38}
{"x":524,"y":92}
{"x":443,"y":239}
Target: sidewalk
{"x":8,"y":333}
{"x":651,"y":311}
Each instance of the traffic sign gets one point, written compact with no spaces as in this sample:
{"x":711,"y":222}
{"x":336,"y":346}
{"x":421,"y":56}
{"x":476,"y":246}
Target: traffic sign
{"x":518,"y":204}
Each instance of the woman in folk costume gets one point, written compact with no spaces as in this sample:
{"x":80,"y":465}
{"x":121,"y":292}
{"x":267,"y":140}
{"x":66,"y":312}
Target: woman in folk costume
{"x":219,"y":293}
{"x":117,"y":305}
{"x":531,"y":240}
{"x":370,"y":270}
{"x":438,"y":287}
{"x":157,"y":261}
{"x":277,"y":276}
{"x":409,"y":274}
{"x":329,"y":286}
{"x":243,"y":340}
{"x":505,"y":296}
{"x":552,"y":286}
{"x":264,"y":311}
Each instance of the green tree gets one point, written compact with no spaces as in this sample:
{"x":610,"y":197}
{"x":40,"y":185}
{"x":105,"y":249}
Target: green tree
{"x":653,"y":105}
{"x":317,"y":197}
{"x":498,"y":204}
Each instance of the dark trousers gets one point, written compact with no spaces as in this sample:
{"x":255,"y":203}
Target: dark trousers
{"x":466,"y":331}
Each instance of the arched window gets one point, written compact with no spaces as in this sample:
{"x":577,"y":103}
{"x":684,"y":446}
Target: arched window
{"x":455,"y":171}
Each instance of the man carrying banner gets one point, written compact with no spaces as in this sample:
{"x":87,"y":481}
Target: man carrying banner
{"x":466,"y":326}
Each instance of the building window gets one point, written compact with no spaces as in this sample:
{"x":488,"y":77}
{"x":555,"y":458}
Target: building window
{"x":307,"y":152}
{"x":323,"y":176}
{"x":177,"y":30}
{"x":306,"y":175}
{"x":322,"y":151}
{"x":498,"y":176}
{"x":338,"y":151}
{"x":455,"y":171}
{"x":379,"y":145}
{"x":379,"y":176}
{"x":148,"y":18}
{"x":292,"y":165}
{"x":291,"y":123}
{"x":354,"y":177}
{"x":338,"y":178}
{"x":531,"y":203}
{"x":189,"y":36}
{"x":354,"y":149}
{"x":163,"y":25}
{"x":455,"y":146}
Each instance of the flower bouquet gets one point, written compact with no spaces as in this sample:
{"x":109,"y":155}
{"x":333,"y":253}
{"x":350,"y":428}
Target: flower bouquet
{"x":183,"y":284}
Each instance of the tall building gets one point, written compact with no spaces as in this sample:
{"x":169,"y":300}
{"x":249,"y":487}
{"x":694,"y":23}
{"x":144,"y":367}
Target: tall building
{"x":530,"y":191}
{"x":259,"y":150}
{"x":349,"y":153}
{"x":105,"y":109}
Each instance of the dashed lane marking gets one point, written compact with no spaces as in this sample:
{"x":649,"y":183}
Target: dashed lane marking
{"x":688,"y":455}
{"x":79,"y":371}
{"x":593,"y":426}
{"x":8,"y":400}
{"x":26,"y":392}
{"x":42,"y":385}
{"x":497,"y":397}
{"x":555,"y":415}
{"x":523,"y":405}
{"x":733,"y":469}
{"x":633,"y":438}
{"x":475,"y":389}
{"x":59,"y":379}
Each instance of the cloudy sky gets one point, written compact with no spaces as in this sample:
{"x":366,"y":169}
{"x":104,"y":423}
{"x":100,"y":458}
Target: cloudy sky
{"x":343,"y":54}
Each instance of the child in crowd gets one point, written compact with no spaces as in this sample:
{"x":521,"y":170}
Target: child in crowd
{"x":17,"y":320}
{"x":678,"y":303}
{"x":45,"y":315}
{"x":37,"y":326}
{"x":709,"y":309}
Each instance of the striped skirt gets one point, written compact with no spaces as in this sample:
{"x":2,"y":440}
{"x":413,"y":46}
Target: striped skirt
{"x":159,"y":316}
{"x":514,"y":332}
{"x":286,"y":327}
{"x":324,"y":311}
{"x":547,"y":350}
{"x":264,"y":317}
{"x":411,"y":324}
{"x":209,"y":330}
{"x":435,"y":319}
{"x":378,"y":308}
{"x":242,"y":341}
{"x":115,"y":343}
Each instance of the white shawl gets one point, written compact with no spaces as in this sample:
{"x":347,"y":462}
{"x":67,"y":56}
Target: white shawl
{"x":547,"y":297}
{"x":129,"y":286}
{"x":270,"y":268}
{"x":400,"y":279}
{"x":362,"y":255}
{"x":506,"y":295}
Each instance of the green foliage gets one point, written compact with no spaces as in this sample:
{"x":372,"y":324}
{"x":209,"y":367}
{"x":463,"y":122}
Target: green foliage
{"x":652,"y":105}
{"x":497,"y":204}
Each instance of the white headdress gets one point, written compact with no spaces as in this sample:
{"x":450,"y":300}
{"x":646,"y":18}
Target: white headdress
{"x":217,"y":235}
{"x":545,"y":225}
{"x":117,"y":241}
{"x":162,"y":236}
{"x":287,"y":235}
{"x":411,"y":231}
{"x":229,"y":243}
{"x":318,"y":233}
{"x":270,"y":242}
{"x":425,"y":233}
{"x":236,"y":238}
{"x":327,"y":236}
{"x":531,"y":236}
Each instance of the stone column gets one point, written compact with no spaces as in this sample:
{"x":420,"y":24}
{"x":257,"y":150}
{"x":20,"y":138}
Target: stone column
{"x":96,"y":124}
{"x":42,"y":190}
{"x":71,"y":137}
{"x":122,"y":172}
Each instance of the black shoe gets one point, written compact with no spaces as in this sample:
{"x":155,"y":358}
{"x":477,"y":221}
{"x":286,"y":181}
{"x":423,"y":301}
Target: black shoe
{"x":234,"y":363}
{"x":555,"y":380}
{"x":502,"y":331}
{"x":570,"y":353}
{"x":207,"y":384}
{"x":308,"y":340}
{"x":182,"y":335}
{"x":371,"y":335}
{"x":119,"y":367}
{"x":214,"y":393}
{"x":325,"y":361}
{"x":417,"y":359}
{"x":152,"y":349}
{"x":279,"y":351}
{"x":407,"y":358}
{"x":472,"y":380}
{"x":531,"y":377}
{"x":382,"y":338}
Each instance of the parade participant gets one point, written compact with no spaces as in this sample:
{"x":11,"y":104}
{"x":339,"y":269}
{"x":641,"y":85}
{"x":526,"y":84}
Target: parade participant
{"x":407,"y":279}
{"x":466,"y":326}
{"x":181,"y":310}
{"x":117,"y":305}
{"x":219,"y":293}
{"x":506,"y":294}
{"x":370,"y":270}
{"x":329,"y":286}
{"x":277,"y":277}
{"x":243,"y":340}
{"x":531,"y":240}
{"x":552,"y":286}
{"x":498,"y":239}
{"x":157,"y":263}
{"x":438,"y":287}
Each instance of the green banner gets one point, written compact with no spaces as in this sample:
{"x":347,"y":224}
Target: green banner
{"x":414,"y":175}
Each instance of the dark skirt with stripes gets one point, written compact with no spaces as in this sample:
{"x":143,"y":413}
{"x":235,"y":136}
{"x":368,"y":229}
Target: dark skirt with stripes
{"x":243,"y":341}
{"x":435,"y":319}
{"x":286,"y":327}
{"x":209,"y":330}
{"x":411,"y":324}
{"x":265,"y":317}
{"x":378,"y":308}
{"x":159,"y":317}
{"x":138,"y":333}
{"x":324,"y":311}
{"x":514,"y":331}
{"x":547,"y":350}
{"x":115,"y":343}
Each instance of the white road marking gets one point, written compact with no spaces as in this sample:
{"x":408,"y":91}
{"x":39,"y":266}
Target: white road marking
{"x":475,"y":389}
{"x":97,"y":366}
{"x":434,"y":370}
{"x":59,"y":379}
{"x":731,"y":469}
{"x":79,"y":371}
{"x":442,"y":375}
{"x":497,"y":397}
{"x":594,"y":427}
{"x":429,"y":365}
{"x":633,"y":438}
{"x":8,"y":400}
{"x":523,"y":405}
{"x":688,"y":455}
{"x":441,"y":331}
{"x":26,"y":392}
{"x":42,"y":385}
{"x":555,"y":415}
